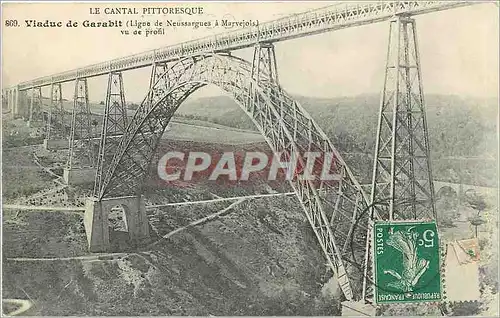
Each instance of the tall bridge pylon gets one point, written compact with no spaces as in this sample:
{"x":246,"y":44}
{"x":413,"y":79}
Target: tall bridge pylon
{"x":114,"y":125}
{"x":35,"y":103}
{"x":158,"y":86}
{"x":157,"y":76}
{"x":81,"y":143}
{"x":264,"y":65}
{"x":56,"y":110}
{"x":402,"y":187}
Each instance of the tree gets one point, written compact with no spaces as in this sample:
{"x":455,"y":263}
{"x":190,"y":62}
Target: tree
{"x":446,"y":204}
{"x":478,"y":203}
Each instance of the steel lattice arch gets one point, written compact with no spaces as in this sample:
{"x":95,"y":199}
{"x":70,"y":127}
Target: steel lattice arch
{"x":335,"y":211}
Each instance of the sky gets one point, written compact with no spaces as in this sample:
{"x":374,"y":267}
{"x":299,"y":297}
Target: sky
{"x":458,"y":49}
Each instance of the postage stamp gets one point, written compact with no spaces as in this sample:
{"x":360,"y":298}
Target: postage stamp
{"x":406,"y":262}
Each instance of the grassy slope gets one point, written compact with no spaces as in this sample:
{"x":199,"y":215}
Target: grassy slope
{"x":457,"y":127}
{"x":259,"y":259}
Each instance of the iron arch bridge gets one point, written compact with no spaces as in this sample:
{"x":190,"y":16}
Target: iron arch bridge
{"x":334,"y":209}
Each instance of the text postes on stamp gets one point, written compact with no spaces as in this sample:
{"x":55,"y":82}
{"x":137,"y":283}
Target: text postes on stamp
{"x":406,"y":262}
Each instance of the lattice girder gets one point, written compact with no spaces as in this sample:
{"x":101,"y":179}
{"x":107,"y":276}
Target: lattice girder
{"x":55,"y":120}
{"x":81,"y":145}
{"x":402,"y":173}
{"x":35,"y":103}
{"x":115,"y":122}
{"x":402,"y":186}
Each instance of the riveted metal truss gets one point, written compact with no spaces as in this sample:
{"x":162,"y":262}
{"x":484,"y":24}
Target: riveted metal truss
{"x":55,"y":120}
{"x":35,"y":103}
{"x":158,"y":83}
{"x":402,"y":186}
{"x":326,"y":19}
{"x":12,"y":100}
{"x":81,"y":145}
{"x":115,"y":122}
{"x":264,"y":67}
{"x":334,"y":210}
{"x":402,"y":178}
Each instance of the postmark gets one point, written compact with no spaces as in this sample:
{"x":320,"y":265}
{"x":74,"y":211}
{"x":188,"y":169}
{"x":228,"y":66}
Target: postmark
{"x":406,"y":258}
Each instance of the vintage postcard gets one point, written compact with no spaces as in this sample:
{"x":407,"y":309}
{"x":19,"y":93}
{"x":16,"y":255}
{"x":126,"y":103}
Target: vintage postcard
{"x":250,"y":158}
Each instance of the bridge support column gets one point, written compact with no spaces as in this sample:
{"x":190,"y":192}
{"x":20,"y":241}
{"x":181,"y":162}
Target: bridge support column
{"x":5,"y":104}
{"x":402,"y":186}
{"x":55,"y":126}
{"x":264,"y":71}
{"x":264,"y":62}
{"x":96,"y":221}
{"x":6,"y":99}
{"x":159,"y":68}
{"x":18,"y":103}
{"x":401,"y":171}
{"x":56,"y":110}
{"x":81,"y":146}
{"x":35,"y":104}
{"x":13,"y":102}
{"x":8,"y":96}
{"x":115,"y":123}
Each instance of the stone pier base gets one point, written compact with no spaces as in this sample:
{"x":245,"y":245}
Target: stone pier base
{"x":55,"y":144}
{"x":96,"y":220}
{"x":77,"y":175}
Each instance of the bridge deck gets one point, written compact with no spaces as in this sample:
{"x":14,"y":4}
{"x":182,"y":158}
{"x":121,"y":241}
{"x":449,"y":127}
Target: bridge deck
{"x":334,"y":17}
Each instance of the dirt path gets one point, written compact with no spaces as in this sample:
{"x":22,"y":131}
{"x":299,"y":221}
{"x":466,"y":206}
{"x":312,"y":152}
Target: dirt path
{"x":42,"y":208}
{"x":255,"y":196}
{"x":199,"y":221}
{"x":104,"y":256}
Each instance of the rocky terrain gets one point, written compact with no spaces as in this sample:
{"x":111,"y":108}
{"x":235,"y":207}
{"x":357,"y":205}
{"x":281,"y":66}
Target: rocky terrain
{"x":259,"y":259}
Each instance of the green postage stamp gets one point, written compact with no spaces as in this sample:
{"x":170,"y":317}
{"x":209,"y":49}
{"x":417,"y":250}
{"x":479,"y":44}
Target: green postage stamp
{"x":406,"y":262}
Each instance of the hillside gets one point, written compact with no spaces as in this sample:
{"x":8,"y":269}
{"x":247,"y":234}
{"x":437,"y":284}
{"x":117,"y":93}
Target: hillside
{"x":458,"y":127}
{"x":238,"y":264}
{"x":462,"y":131}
